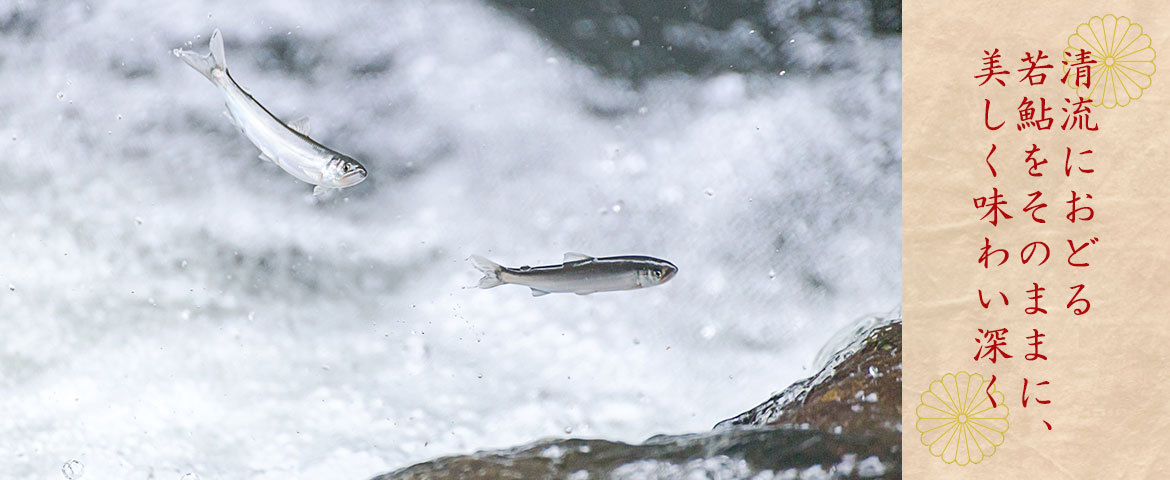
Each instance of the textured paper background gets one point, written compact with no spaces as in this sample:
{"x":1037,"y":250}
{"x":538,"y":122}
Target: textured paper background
{"x":1110,"y":389}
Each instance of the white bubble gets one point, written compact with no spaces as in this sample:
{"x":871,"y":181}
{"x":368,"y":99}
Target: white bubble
{"x":782,"y":72}
{"x":60,"y":95}
{"x":189,"y":476}
{"x":709,"y":192}
{"x":636,"y":43}
{"x":73,"y":470}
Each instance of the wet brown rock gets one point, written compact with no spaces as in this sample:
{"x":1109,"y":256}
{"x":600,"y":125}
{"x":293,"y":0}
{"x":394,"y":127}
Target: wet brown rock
{"x":843,"y":423}
{"x":862,"y":392}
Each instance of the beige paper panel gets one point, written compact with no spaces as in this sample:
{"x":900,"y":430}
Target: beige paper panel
{"x":1108,"y":369}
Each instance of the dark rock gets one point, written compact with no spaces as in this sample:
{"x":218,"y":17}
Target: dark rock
{"x":845,"y":422}
{"x":635,"y":39}
{"x":861,"y":391}
{"x":729,"y":453}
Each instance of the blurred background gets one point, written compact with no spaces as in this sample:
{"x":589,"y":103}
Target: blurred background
{"x":172,"y":306}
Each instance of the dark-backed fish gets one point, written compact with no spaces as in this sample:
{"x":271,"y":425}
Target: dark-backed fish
{"x":580,"y":274}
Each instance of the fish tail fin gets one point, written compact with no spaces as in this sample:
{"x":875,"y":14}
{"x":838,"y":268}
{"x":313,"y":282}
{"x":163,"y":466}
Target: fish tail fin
{"x":491,"y":272}
{"x":205,"y":64}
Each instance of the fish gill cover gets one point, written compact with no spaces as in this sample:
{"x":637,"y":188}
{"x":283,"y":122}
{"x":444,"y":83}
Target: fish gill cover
{"x":175,"y":306}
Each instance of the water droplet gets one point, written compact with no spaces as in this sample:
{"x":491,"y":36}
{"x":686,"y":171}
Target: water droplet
{"x":782,"y":72}
{"x":772,"y":273}
{"x":73,"y":469}
{"x":183,"y":264}
{"x":138,"y":220}
{"x":185,"y":314}
{"x":209,"y":15}
{"x":11,"y":287}
{"x":643,"y":110}
{"x":617,"y":207}
{"x":119,"y":116}
{"x":189,"y":476}
{"x":568,"y":430}
{"x":251,"y":315}
{"x":709,"y":192}
{"x":60,"y":95}
{"x":708,"y":332}
{"x":792,"y":40}
{"x":636,"y":43}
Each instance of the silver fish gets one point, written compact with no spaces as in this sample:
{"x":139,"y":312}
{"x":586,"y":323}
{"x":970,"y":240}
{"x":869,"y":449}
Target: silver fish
{"x":580,"y":274}
{"x":288,"y":146}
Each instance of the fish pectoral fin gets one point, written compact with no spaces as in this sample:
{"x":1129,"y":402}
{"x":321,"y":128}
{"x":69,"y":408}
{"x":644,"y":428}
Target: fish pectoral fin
{"x":266,"y":158}
{"x":574,"y":256}
{"x":538,"y":293}
{"x":583,"y":293}
{"x":321,"y":192}
{"x":300,"y":125}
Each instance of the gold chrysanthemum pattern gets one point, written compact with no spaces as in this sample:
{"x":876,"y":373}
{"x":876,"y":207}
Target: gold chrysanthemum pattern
{"x":1124,"y":56}
{"x":957,"y":420}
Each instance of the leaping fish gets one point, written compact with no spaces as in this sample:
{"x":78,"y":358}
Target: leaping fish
{"x":287,"y":145}
{"x":580,"y":274}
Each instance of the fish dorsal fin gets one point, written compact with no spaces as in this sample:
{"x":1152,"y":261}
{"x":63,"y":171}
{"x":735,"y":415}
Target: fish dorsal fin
{"x":538,"y":293}
{"x":300,"y":125}
{"x":574,"y":256}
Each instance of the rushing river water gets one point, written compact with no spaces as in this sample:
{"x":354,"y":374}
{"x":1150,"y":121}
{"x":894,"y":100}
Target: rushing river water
{"x":171,"y":305}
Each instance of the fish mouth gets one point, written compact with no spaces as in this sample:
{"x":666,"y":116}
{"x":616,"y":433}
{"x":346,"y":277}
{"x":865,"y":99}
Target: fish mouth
{"x":670,"y":272}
